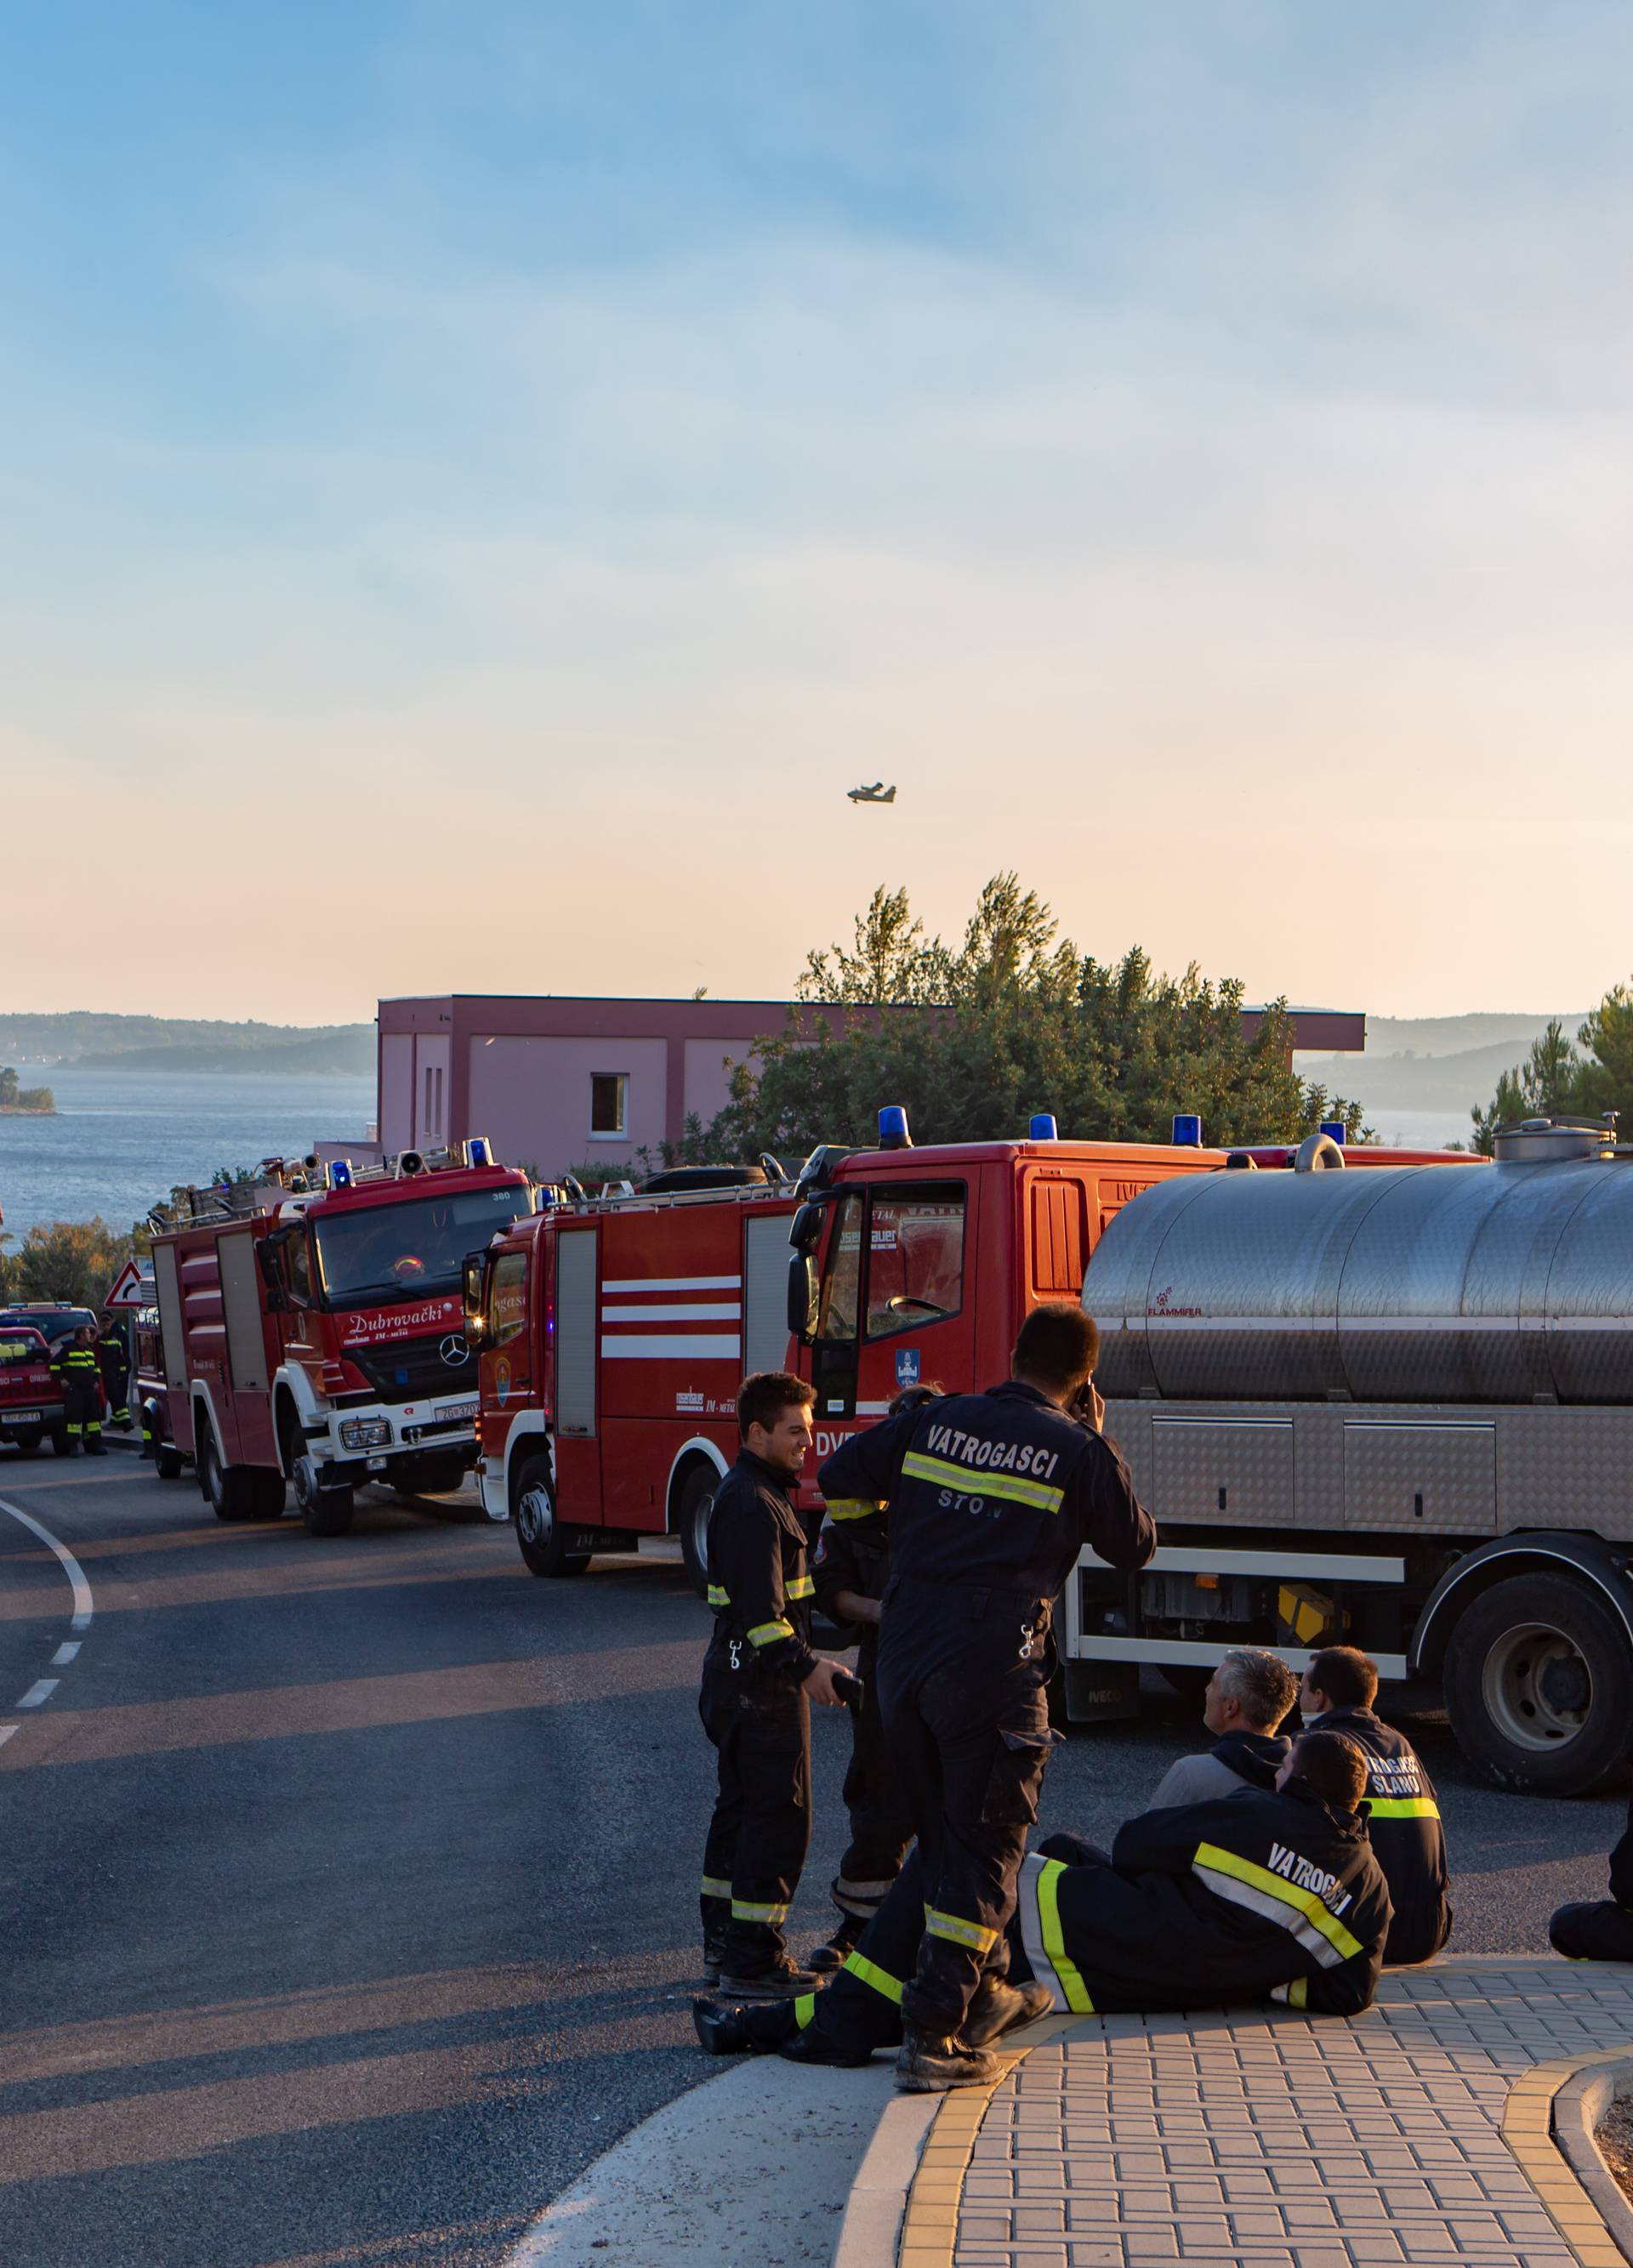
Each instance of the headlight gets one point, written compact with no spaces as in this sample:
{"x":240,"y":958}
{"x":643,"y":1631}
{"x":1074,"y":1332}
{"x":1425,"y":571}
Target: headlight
{"x":364,"y":1433}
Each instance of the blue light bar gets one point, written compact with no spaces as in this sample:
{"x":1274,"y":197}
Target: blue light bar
{"x":1188,"y":1134}
{"x":1042,"y":1128}
{"x":340,"y":1173}
{"x":893,"y":1133}
{"x":1333,"y":1128}
{"x":477,"y":1152}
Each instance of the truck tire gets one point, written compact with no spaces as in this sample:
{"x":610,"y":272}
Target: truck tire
{"x":536,"y":1531}
{"x":266,"y":1493}
{"x":691,"y":1518}
{"x":27,"y":1444}
{"x":326,"y":1511}
{"x":229,"y":1490}
{"x":1539,"y":1685}
{"x":167,"y":1462}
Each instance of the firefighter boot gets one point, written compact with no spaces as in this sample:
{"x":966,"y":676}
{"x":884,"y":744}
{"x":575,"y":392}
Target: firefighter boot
{"x":722,"y":2030}
{"x":809,"y":2046}
{"x":929,"y":2063}
{"x":844,"y":1939}
{"x":781,"y":1980}
{"x":999,"y":2008}
{"x":94,"y":1446}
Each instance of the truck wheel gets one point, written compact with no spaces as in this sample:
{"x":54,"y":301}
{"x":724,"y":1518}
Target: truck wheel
{"x":229,"y":1488}
{"x":326,"y":1511}
{"x":1539,"y":1685}
{"x":536,"y":1531}
{"x":266,"y":1493}
{"x":167,"y":1462}
{"x":27,"y":1444}
{"x":696,"y":1501}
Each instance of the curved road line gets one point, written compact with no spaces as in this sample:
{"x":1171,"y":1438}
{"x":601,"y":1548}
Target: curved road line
{"x":71,"y":1567}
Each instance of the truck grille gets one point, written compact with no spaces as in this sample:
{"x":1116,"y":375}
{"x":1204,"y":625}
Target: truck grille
{"x":412,"y":1370}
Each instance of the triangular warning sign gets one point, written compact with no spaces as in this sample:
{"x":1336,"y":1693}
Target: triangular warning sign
{"x":131,"y":1289}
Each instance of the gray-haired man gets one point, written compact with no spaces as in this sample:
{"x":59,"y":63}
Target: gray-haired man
{"x":1247,"y":1696}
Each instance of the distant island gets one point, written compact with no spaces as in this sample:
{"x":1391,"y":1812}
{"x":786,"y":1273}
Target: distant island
{"x":148,"y":1043}
{"x":1430,"y":1063}
{"x":19,"y":1102}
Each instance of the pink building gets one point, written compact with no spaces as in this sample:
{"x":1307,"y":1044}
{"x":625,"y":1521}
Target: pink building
{"x":554,"y":1082}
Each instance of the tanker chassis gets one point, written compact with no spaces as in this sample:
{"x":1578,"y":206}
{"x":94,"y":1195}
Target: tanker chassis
{"x":1395,"y":1409}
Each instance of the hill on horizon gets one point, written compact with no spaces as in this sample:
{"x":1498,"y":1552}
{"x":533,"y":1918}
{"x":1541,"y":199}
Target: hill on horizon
{"x":1431,"y":1063}
{"x":108,"y":1043}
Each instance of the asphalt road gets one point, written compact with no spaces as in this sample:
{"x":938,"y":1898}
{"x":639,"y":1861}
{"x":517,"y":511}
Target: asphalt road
{"x":348,"y":1887}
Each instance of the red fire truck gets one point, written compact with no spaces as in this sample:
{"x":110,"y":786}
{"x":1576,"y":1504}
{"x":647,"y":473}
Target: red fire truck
{"x":310,"y":1330}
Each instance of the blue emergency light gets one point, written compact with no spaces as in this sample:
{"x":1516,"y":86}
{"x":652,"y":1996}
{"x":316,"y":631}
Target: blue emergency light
{"x":340,"y":1173}
{"x":1334,"y":1129}
{"x":893,"y":1133}
{"x":477,"y":1151}
{"x":1188,"y":1134}
{"x":1042,"y":1128}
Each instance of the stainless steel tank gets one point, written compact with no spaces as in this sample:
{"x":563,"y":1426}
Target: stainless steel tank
{"x":1512,"y":1283}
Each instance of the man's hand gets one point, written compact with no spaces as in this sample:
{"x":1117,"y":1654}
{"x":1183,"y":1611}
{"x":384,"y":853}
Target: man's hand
{"x":852,"y":1606}
{"x":1089,"y":1405}
{"x":821,"y":1684}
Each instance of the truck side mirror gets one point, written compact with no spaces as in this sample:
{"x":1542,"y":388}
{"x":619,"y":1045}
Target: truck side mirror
{"x":806,"y":1226}
{"x":802,"y":1297}
{"x":474,"y":1320}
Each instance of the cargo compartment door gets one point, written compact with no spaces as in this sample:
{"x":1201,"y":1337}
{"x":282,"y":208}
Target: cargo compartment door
{"x":766,"y":1294}
{"x":247,"y":1363}
{"x":575,"y":1357}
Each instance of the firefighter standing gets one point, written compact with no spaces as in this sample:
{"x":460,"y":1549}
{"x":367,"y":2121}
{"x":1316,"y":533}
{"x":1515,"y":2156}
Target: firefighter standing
{"x":113,"y":1360}
{"x":759,"y":1677}
{"x":992,"y":1497}
{"x":75,"y":1367}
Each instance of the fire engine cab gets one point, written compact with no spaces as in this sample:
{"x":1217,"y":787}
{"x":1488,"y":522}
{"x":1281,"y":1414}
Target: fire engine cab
{"x":310,"y":1330}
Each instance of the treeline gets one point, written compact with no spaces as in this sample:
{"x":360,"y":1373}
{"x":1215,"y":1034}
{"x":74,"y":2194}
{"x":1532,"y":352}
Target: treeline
{"x":185,"y":1043}
{"x":1561,"y":1079}
{"x":15,"y":1096}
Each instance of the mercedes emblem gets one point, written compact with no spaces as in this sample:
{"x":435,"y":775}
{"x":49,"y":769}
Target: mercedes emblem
{"x":453,"y":1351}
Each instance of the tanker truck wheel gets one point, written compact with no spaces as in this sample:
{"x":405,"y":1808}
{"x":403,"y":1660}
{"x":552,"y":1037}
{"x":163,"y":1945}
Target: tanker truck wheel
{"x":691,"y":1519}
{"x":1539,"y":1685}
{"x":536,"y":1531}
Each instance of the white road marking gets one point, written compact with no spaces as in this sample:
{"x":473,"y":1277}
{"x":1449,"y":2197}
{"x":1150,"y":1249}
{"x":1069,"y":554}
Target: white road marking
{"x":72,"y":1568}
{"x":42,"y":1690}
{"x":65,"y":1653}
{"x":6,"y":1732}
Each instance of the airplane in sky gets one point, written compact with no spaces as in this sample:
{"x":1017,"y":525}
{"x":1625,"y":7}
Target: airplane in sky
{"x":877,"y":793}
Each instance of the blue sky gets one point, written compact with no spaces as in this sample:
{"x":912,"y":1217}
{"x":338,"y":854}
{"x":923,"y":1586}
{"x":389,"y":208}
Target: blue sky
{"x":491,"y":477}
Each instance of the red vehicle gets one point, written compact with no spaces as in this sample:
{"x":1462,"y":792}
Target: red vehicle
{"x":31,"y":1399}
{"x":314,"y":1334}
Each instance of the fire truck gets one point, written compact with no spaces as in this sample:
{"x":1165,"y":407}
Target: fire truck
{"x":310,"y":1330}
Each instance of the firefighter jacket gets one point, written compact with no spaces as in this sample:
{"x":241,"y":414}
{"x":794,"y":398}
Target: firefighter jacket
{"x":998,"y":1491}
{"x":77,"y":1366}
{"x":1265,"y":1894}
{"x":1240,"y":1759}
{"x":759,"y":1585}
{"x":1621,"y":1867}
{"x":1406,"y":1830}
{"x":853,"y":1554}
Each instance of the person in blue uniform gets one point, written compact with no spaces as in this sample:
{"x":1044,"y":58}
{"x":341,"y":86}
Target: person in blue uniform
{"x":992,"y":1498}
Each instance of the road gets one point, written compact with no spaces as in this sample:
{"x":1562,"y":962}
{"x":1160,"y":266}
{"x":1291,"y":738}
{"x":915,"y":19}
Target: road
{"x":348,"y":1886}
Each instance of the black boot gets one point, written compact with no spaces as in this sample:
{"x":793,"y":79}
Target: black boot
{"x":722,"y":2031}
{"x":844,"y":1939}
{"x":809,"y":2046}
{"x":778,"y":1980}
{"x":999,"y":2008}
{"x":94,"y":1447}
{"x":929,"y":2063}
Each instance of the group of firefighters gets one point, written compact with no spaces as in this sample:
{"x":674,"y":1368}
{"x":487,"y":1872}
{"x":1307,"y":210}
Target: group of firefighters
{"x":1272,"y":1867}
{"x":94,"y":1371}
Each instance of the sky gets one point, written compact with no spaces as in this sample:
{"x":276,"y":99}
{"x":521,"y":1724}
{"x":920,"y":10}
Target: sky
{"x":479,"y":483}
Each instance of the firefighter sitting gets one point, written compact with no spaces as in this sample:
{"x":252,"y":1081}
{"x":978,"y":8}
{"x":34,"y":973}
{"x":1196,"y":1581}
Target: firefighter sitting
{"x":1266,"y":1895}
{"x":75,"y":1364}
{"x":1600,"y":1929}
{"x":1247,"y":1696}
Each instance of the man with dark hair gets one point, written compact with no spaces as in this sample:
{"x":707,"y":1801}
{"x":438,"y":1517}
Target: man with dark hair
{"x":1600,"y":1929}
{"x":1268,"y":1894}
{"x":759,"y":1677}
{"x":1336,"y":1695}
{"x":992,"y":1498}
{"x":1247,"y":1696}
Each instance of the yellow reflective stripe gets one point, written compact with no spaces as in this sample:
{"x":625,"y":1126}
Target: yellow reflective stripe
{"x":1054,"y":1944}
{"x":1273,"y":1886}
{"x":961,"y":1932}
{"x":1299,"y":1992}
{"x":719,"y":1597}
{"x":868,"y":1972}
{"x":804,"y":2009}
{"x":801,"y":1587}
{"x":768,"y":1633}
{"x":1403,"y":1807}
{"x":972,"y":1480}
{"x":853,"y":1508}
{"x":742,"y":1911}
{"x":713,"y":1888}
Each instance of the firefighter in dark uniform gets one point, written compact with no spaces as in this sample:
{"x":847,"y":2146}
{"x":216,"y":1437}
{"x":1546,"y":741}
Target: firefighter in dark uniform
{"x":75,"y":1367}
{"x":992,"y":1498}
{"x":851,"y":1569}
{"x":113,"y":1360}
{"x":1336,"y":1696}
{"x":1270,"y":1894}
{"x":1600,"y":1929}
{"x":759,"y":1677}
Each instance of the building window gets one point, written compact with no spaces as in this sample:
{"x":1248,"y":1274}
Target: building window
{"x":431,"y":1121}
{"x":608,"y":1105}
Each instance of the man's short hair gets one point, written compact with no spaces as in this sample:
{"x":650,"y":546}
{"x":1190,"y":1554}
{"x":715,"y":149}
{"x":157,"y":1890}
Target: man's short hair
{"x":1261,"y":1682}
{"x":1334,"y":1767}
{"x":1346,"y":1676}
{"x":762,"y":1399}
{"x":1059,"y":1344}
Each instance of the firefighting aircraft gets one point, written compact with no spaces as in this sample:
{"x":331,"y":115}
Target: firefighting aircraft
{"x":877,"y":793}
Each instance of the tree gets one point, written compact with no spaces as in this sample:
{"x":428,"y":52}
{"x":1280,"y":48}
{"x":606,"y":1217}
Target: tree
{"x":1557,"y":1081}
{"x":71,"y":1262}
{"x":1015,"y":1020}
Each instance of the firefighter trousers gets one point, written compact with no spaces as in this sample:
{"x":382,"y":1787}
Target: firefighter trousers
{"x":82,"y":1407}
{"x":862,"y":2008}
{"x":1595,"y":1929}
{"x":962,"y":1679}
{"x":881,"y":1825}
{"x":761,"y":1830}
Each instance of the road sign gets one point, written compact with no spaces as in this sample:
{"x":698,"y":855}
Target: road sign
{"x":132,"y":1288}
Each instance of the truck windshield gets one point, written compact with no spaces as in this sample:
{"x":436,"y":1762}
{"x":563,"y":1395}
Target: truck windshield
{"x":367,"y":1258}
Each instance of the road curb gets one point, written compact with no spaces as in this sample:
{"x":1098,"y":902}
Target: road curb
{"x":1549,"y":2123}
{"x":878,"y":2205}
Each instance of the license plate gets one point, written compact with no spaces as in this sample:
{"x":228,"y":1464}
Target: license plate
{"x":457,"y":1408}
{"x":21,"y":1416}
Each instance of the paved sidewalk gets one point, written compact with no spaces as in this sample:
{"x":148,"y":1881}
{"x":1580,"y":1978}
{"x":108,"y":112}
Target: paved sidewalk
{"x":1417,"y":2132}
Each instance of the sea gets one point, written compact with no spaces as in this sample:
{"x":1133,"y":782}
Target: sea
{"x":121,"y":1139}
